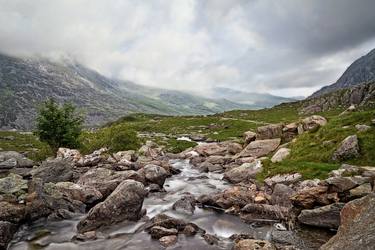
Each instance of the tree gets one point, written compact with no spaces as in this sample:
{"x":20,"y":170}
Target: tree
{"x":59,"y":125}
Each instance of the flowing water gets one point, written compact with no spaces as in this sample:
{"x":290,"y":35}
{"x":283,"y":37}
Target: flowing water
{"x":130,"y":235}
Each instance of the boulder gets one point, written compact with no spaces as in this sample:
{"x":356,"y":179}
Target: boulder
{"x":281,"y":195}
{"x":124,"y":203}
{"x":326,"y":216}
{"x":12,"y":159}
{"x":85,"y":194}
{"x":286,"y":179}
{"x":68,"y":154}
{"x":249,"y":136}
{"x":341,"y":184}
{"x":313,"y":122}
{"x":56,"y":170}
{"x":250,"y":244}
{"x":163,"y":220}
{"x":155,"y":174}
{"x":245,"y":172}
{"x":168,"y":241}
{"x":123,"y":156}
{"x":259,"y":148}
{"x":280,"y":155}
{"x":207,"y":149}
{"x":362,"y":127}
{"x":186,"y":204}
{"x":349,"y":148}
{"x":290,"y":131}
{"x":151,"y":149}
{"x":13,"y":185}
{"x":357,"y":228}
{"x":271,"y":131}
{"x":94,"y":158}
{"x":310,"y":197}
{"x":7,"y":230}
{"x":158,"y":232}
{"x":106,"y":180}
{"x":233,"y":148}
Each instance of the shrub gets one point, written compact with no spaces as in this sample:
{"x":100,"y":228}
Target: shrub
{"x":59,"y":125}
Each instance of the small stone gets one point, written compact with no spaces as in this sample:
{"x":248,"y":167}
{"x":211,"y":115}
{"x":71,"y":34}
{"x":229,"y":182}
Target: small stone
{"x":211,"y":239}
{"x":250,"y":244}
{"x":167,"y":241}
{"x":158,"y":232}
{"x":362,"y":127}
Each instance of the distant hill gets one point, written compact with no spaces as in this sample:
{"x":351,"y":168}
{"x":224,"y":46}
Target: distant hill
{"x":359,"y":72}
{"x":255,"y":100}
{"x":24,"y":83}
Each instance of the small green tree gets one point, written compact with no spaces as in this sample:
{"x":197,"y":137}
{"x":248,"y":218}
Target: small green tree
{"x":59,"y":125}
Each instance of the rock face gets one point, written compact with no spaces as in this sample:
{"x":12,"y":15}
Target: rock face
{"x":357,"y":228}
{"x":260,"y":148}
{"x":249,"y":244}
{"x":245,"y":172}
{"x":280,"y":155}
{"x":326,"y":216}
{"x":349,"y":148}
{"x":271,"y":131}
{"x":125,"y":203}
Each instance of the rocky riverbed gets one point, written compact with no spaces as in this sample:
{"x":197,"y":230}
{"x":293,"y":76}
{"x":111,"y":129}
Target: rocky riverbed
{"x":206,"y":197}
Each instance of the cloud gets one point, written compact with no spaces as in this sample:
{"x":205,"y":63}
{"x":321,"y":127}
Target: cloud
{"x":256,"y":45}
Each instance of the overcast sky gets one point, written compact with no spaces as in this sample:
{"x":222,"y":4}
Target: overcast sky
{"x":288,"y":48}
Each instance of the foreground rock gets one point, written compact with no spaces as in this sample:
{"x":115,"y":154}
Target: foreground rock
{"x":259,"y":148}
{"x":326,"y":216}
{"x":155,"y":174}
{"x":249,"y":244}
{"x":125,"y":203}
{"x":349,"y":148}
{"x":357,"y":228}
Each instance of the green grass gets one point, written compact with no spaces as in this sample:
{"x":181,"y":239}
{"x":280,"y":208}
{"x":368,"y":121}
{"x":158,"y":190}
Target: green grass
{"x":25,"y":143}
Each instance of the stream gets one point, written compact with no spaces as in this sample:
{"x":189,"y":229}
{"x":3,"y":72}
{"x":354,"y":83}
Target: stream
{"x":53,"y":235}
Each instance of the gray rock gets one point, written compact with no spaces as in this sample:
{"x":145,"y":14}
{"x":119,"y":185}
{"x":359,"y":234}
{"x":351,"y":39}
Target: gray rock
{"x":168,"y":241}
{"x":7,"y":230}
{"x":362,"y":127}
{"x":326,"y":216}
{"x":357,"y":228}
{"x":155,"y":174}
{"x":280,"y":155}
{"x":313,"y":122}
{"x":341,"y":184}
{"x":259,"y":148}
{"x":8,"y":164}
{"x":286,"y":179}
{"x":249,"y":244}
{"x":11,"y":159}
{"x":349,"y":148}
{"x":361,"y":190}
{"x":249,"y":136}
{"x":271,"y":131}
{"x":56,"y":170}
{"x":186,"y":204}
{"x":73,"y":191}
{"x":281,"y":195}
{"x":245,"y":172}
{"x":125,"y":203}
{"x":13,"y":184}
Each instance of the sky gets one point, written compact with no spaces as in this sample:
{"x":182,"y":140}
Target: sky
{"x":282,"y":47}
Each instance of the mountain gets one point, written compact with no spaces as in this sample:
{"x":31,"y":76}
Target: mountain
{"x":360,"y":71}
{"x":255,"y":100}
{"x":24,"y":83}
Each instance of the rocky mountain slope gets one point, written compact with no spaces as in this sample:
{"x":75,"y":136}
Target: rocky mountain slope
{"x":360,"y":71}
{"x":255,"y":100}
{"x":24,"y":83}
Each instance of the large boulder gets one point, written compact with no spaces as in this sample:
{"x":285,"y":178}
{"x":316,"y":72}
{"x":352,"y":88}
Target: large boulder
{"x":271,"y":131}
{"x":106,"y":180}
{"x":326,"y":216}
{"x":7,"y":230}
{"x":11,"y":159}
{"x":73,"y":191}
{"x":259,"y":148}
{"x":56,"y":170}
{"x":349,"y":148}
{"x":155,"y":174}
{"x":357,"y":227}
{"x":245,"y":172}
{"x":280,"y":155}
{"x":313,"y":122}
{"x":125,"y":203}
{"x":250,"y":244}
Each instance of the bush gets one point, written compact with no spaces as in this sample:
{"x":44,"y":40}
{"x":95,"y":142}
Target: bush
{"x":59,"y":125}
{"x":115,"y":138}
